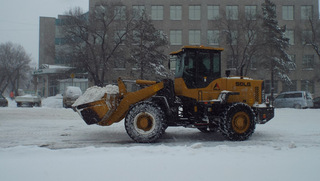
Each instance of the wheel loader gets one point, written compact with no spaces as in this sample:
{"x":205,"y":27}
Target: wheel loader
{"x":198,"y":97}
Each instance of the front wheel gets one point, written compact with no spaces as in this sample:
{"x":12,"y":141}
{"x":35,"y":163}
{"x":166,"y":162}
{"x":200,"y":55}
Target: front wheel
{"x":238,"y":122}
{"x":145,"y":122}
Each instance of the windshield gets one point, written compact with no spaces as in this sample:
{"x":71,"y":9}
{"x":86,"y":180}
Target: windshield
{"x":200,"y":68}
{"x":179,"y":65}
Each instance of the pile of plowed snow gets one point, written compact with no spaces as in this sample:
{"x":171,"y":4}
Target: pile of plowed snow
{"x":96,"y":93}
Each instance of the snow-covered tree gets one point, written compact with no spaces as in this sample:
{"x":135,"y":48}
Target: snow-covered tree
{"x":14,"y":67}
{"x":147,"y":50}
{"x":276,"y":58}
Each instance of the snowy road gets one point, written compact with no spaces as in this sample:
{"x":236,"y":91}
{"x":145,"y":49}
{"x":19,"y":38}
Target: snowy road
{"x":55,"y":144}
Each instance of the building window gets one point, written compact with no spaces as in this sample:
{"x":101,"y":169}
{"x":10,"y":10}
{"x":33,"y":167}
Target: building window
{"x":213,"y":12}
{"x":250,"y":37}
{"x":253,"y":63}
{"x":232,"y":37}
{"x":267,"y":85}
{"x":176,"y":37}
{"x":251,"y":12}
{"x":60,"y":22}
{"x":287,"y":12}
{"x":60,"y":41}
{"x":306,"y":37}
{"x":307,"y":85}
{"x":194,"y":37}
{"x":213,"y":37}
{"x":292,"y":66}
{"x":120,"y":37}
{"x":120,"y":13}
{"x":308,"y":62}
{"x":99,"y":10}
{"x":138,"y":12}
{"x":232,"y":63}
{"x":175,"y":12}
{"x":306,"y":12}
{"x":136,"y":37}
{"x":232,"y":12}
{"x":290,"y":35}
{"x":194,"y":12}
{"x":156,"y":12}
{"x":289,"y":87}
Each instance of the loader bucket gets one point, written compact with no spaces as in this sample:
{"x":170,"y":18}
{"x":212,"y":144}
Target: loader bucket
{"x":94,"y":112}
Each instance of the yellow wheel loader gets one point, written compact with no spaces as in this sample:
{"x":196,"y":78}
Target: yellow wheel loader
{"x":199,"y":97}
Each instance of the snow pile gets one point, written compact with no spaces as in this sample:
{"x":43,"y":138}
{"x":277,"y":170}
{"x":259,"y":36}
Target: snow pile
{"x":53,"y":102}
{"x":96,"y":93}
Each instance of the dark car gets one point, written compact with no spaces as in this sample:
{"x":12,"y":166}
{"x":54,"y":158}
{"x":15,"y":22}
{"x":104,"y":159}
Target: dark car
{"x":3,"y":101}
{"x":316,"y":102}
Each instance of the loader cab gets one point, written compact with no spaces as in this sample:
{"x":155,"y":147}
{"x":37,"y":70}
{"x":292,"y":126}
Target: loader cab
{"x":198,"y":66}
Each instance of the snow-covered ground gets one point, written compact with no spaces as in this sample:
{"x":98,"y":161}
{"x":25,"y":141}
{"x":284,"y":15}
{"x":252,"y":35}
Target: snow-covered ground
{"x":53,"y":143}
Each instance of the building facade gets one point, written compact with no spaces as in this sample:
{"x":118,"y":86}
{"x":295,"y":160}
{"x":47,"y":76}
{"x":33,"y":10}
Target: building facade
{"x":195,"y":22}
{"x":54,"y":73}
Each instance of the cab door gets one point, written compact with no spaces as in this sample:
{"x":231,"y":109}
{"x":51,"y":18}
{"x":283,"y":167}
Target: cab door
{"x":201,"y":67}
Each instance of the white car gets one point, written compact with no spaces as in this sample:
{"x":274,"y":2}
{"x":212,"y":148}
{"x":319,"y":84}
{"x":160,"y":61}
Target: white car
{"x":71,"y":94}
{"x":294,"y":99}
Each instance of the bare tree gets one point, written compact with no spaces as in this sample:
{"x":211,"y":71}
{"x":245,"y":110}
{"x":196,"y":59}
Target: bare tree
{"x":98,"y":38}
{"x":315,"y":35}
{"x":310,"y":36}
{"x":14,"y":66}
{"x":242,"y":39}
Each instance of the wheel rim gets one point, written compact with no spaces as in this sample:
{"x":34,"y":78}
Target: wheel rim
{"x":240,"y":122}
{"x":144,"y":123}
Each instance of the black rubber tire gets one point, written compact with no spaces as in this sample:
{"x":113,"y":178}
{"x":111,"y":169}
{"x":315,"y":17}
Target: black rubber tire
{"x":145,"y":122}
{"x":238,"y":122}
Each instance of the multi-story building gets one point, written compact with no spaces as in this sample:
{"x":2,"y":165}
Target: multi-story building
{"x":195,"y":22}
{"x":55,"y":73}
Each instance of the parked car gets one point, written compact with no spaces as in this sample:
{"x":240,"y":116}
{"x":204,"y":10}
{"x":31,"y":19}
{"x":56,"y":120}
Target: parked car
{"x":316,"y":102}
{"x":71,"y":94}
{"x":3,"y":101}
{"x":28,"y":100}
{"x":294,"y":99}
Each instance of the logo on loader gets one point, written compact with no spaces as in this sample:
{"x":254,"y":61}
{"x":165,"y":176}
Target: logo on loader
{"x":245,"y":84}
{"x":216,"y":87}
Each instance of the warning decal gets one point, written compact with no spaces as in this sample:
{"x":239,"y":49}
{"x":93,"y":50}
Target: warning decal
{"x":216,"y":87}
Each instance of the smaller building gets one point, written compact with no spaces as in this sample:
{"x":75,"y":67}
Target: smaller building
{"x":53,"y":79}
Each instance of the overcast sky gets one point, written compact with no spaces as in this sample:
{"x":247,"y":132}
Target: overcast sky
{"x":19,"y":20}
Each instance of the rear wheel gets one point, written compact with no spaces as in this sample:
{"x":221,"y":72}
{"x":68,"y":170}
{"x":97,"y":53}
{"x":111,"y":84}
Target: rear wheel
{"x":145,"y":122}
{"x":238,"y":122}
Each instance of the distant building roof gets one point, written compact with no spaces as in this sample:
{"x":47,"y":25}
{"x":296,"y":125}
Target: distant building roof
{"x":52,"y":69}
